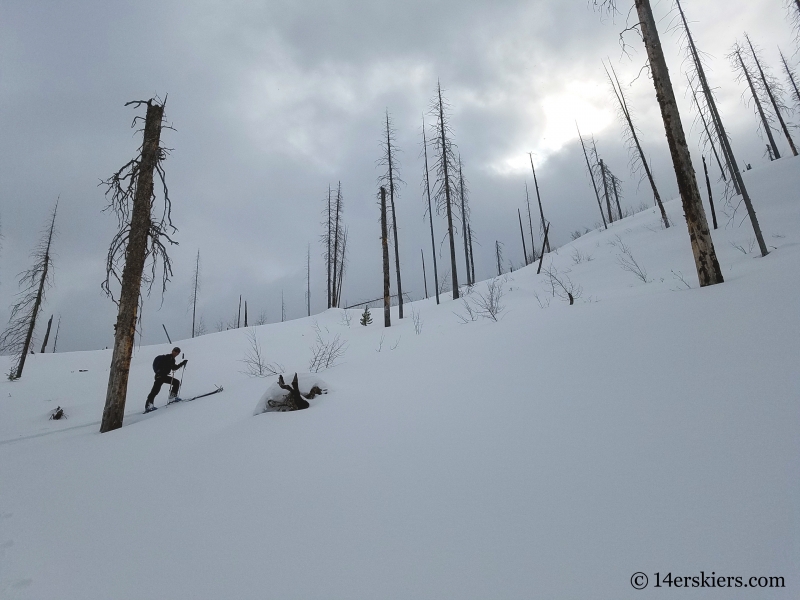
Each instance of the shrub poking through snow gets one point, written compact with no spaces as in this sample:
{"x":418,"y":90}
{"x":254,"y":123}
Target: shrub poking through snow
{"x":57,"y":414}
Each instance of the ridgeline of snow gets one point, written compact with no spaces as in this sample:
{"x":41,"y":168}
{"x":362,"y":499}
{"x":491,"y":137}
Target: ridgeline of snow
{"x":552,"y":454}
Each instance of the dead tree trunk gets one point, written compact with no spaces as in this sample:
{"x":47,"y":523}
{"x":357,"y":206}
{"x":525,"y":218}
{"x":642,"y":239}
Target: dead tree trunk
{"x":499,"y":256}
{"x":591,"y":176}
{"x":445,"y":160}
{"x":615,"y":183}
{"x":538,"y":197}
{"x":239,"y":313}
{"x":471,"y":254}
{"x":328,"y":256}
{"x":634,"y":141}
{"x":710,"y":195}
{"x":430,"y":211}
{"x":768,"y":89}
{"x":541,"y":256}
{"x":389,"y":179}
{"x":522,"y":233}
{"x":530,"y":223}
{"x":708,"y":269}
{"x":708,"y":133}
{"x":387,"y":299}
{"x":764,"y":121}
{"x":464,"y":219}
{"x":245,"y":313}
{"x":424,"y":276}
{"x":47,"y":334}
{"x":605,"y":188}
{"x":733,"y":168}
{"x":55,"y":339}
{"x":790,"y":75}
{"x":135,"y":255}
{"x":308,"y":280}
{"x":336,"y":237}
{"x":194,"y":291}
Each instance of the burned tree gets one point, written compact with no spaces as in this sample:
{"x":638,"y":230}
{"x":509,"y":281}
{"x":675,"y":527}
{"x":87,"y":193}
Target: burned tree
{"x":638,"y":161}
{"x":430,"y":210}
{"x":141,"y":237}
{"x":308,"y":280}
{"x":445,"y":189}
{"x":530,"y":224}
{"x":498,"y":252}
{"x":722,"y":138}
{"x":705,"y":258}
{"x":591,"y":176}
{"x":743,"y":72}
{"x":55,"y":339}
{"x":790,"y":74}
{"x":46,"y":335}
{"x":387,"y":298}
{"x":543,"y":223}
{"x":710,"y":195}
{"x":522,"y":233}
{"x":391,"y":181}
{"x":17,"y":338}
{"x":462,"y":196}
{"x":195,"y":290}
{"x":774,"y":91}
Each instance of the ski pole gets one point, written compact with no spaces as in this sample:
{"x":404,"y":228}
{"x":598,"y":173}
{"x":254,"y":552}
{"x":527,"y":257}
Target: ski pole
{"x":180,"y":382}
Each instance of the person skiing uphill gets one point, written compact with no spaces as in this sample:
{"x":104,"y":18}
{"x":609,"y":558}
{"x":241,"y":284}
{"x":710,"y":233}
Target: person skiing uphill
{"x":163,"y":365}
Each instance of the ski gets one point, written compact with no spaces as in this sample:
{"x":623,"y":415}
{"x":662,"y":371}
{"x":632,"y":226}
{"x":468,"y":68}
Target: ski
{"x":176,"y":400}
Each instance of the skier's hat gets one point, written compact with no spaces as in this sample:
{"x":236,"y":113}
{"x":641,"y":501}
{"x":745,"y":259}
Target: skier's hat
{"x":176,"y":350}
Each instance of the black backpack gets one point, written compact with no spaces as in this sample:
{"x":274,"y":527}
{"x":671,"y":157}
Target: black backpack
{"x":160,"y":362}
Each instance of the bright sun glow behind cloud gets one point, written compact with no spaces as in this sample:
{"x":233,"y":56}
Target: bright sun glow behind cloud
{"x":584,"y":102}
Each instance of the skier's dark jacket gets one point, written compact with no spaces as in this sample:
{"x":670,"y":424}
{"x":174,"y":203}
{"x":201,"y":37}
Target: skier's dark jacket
{"x":163,"y":364}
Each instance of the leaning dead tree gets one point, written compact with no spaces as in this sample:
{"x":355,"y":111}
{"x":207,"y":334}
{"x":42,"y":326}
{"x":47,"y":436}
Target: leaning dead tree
{"x":708,"y":140}
{"x":498,"y":253}
{"x":591,"y":176}
{"x":522,"y":233}
{"x":722,"y":138}
{"x":542,"y":221}
{"x":430,"y":210}
{"x":195,"y":290}
{"x":744,"y":74}
{"x":792,"y":77}
{"x":141,"y":237}
{"x":530,"y":224}
{"x":445,"y":188}
{"x":770,"y":86}
{"x":638,"y":161}
{"x":17,"y":337}
{"x":46,"y":335}
{"x":705,"y":257}
{"x":391,"y":181}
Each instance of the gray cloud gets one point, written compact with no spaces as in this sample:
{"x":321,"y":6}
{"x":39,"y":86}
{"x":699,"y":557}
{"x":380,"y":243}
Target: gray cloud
{"x":273,"y":102}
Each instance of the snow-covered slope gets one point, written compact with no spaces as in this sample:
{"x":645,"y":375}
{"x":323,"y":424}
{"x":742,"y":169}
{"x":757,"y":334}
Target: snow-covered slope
{"x":551,"y":454}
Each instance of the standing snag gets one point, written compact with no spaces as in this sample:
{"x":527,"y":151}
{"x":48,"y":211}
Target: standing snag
{"x":638,"y":161}
{"x":445,"y":189}
{"x":387,"y":298}
{"x":141,"y":237}
{"x":391,"y":180}
{"x":705,"y":257}
{"x":430,"y":211}
{"x":34,"y":282}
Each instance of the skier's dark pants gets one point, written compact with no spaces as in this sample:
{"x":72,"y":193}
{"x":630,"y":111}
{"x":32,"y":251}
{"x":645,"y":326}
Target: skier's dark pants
{"x":161,"y":380}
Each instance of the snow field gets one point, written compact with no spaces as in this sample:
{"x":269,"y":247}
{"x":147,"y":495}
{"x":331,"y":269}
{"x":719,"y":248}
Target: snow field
{"x":552,"y":454}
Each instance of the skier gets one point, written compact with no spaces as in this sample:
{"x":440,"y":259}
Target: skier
{"x":163,"y":365}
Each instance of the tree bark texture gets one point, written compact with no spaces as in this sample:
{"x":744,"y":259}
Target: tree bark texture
{"x":132,"y":273}
{"x":708,"y":269}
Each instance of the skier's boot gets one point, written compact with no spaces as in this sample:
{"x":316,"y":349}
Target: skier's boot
{"x":149,"y":407}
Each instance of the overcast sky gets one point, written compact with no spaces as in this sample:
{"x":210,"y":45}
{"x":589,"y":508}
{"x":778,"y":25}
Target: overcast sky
{"x":274,"y":101}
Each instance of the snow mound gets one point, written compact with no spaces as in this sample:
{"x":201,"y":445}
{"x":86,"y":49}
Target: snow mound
{"x":305,"y":381}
